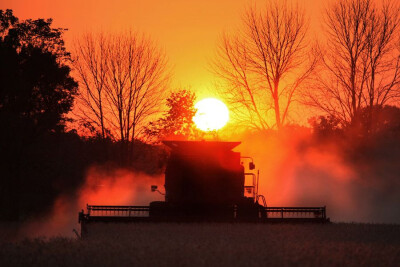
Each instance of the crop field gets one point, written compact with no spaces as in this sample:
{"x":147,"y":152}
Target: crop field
{"x":212,"y":245}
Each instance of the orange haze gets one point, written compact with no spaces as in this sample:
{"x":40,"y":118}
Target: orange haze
{"x":103,"y":186}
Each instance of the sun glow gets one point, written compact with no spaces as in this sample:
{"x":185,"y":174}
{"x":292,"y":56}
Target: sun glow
{"x":211,"y":115}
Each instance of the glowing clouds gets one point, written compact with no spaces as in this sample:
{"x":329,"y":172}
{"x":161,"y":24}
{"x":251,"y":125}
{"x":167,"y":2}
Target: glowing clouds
{"x":212,"y":114}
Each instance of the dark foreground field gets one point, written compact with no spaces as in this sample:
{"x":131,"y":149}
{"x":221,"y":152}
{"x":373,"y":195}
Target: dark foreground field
{"x":213,"y":245}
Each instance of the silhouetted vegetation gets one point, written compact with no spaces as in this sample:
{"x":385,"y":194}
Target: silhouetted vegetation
{"x":37,"y":92}
{"x":370,"y":125}
{"x":123,"y":78}
{"x":360,"y":58}
{"x":264,"y":64}
{"x":177,"y":123}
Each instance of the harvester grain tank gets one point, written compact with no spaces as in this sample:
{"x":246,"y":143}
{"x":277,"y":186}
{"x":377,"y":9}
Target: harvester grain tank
{"x":205,"y":181}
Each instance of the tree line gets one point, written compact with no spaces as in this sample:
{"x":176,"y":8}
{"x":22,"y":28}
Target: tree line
{"x":265,"y":66}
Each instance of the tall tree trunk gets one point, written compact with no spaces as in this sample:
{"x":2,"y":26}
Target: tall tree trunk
{"x":276,"y":106}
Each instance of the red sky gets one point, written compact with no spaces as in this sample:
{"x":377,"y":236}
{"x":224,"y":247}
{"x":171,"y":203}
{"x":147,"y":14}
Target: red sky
{"x":187,"y":29}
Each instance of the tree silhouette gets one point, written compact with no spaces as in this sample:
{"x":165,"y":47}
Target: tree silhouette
{"x":385,"y":122}
{"x":32,"y":34}
{"x":361,"y":60}
{"x":265,"y":64}
{"x":177,"y":122}
{"x":123,"y":79}
{"x":36,"y":92}
{"x":36,"y":88}
{"x":91,"y":65}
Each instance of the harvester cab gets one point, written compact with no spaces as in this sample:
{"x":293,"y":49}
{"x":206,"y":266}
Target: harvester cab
{"x":204,"y":181}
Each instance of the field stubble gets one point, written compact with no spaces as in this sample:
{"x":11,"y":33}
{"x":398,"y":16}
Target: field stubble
{"x":213,"y":245}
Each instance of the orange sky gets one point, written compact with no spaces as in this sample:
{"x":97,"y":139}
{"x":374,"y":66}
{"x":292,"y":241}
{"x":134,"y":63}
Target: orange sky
{"x":187,"y":29}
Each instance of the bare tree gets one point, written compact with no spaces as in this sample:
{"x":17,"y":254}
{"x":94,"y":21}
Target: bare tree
{"x":383,"y":55}
{"x":136,"y":82}
{"x":360,"y":58}
{"x":123,"y":78}
{"x":90,"y":64}
{"x":264,"y":64}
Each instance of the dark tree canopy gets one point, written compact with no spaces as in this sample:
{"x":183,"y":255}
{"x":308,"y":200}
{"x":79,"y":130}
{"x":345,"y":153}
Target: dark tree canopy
{"x":377,"y":121}
{"x":369,"y":125}
{"x":36,"y":93}
{"x":7,"y":19}
{"x":32,"y":34}
{"x":36,"y":87}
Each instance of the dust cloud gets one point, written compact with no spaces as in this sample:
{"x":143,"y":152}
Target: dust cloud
{"x":295,"y":170}
{"x":103,"y":186}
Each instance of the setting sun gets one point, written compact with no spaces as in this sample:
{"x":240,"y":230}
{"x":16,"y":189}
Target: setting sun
{"x":212,"y":114}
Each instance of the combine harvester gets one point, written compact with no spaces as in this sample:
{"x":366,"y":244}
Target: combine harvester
{"x":205,"y":181}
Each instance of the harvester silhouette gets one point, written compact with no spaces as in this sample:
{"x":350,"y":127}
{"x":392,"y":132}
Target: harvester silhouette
{"x":205,"y":181}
